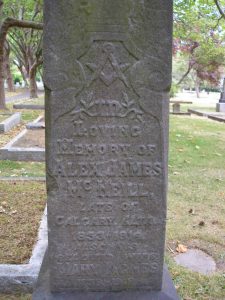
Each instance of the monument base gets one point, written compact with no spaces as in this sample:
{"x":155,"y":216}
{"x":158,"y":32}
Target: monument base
{"x":42,"y":290}
{"x":220,"y":107}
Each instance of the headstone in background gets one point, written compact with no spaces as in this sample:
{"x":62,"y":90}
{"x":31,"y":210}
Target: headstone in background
{"x":220,"y":107}
{"x":176,"y":108}
{"x":107,"y":77}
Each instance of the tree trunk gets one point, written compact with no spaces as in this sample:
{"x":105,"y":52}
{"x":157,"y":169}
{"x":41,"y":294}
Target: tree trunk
{"x":9,"y":79}
{"x":197,"y":87}
{"x":33,"y":84}
{"x":8,"y":73}
{"x":26,"y":84}
{"x":2,"y":80}
{"x":32,"y":76}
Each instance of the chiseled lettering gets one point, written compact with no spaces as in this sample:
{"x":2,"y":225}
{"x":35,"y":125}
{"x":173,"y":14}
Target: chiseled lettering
{"x":71,"y":147}
{"x":122,"y":235}
{"x":146,"y":149}
{"x":83,"y":221}
{"x":101,"y":188}
{"x":131,"y":268}
{"x":135,"y":220}
{"x":99,"y":207}
{"x":109,"y":168}
{"x":69,"y":269}
{"x":106,"y":130}
{"x":120,"y":189}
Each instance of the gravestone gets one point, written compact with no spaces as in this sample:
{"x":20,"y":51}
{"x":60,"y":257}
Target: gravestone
{"x":220,"y":107}
{"x":176,"y":108}
{"x":107,"y":77}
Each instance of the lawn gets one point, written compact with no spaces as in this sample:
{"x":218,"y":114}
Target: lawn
{"x":36,"y":101}
{"x":15,"y":297}
{"x":21,"y":169}
{"x":21,"y":208}
{"x":196,"y":206}
{"x":12,"y":94}
{"x":185,"y":107}
{"x":206,"y":102}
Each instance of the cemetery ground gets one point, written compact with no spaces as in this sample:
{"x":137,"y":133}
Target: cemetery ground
{"x":207,"y":102}
{"x":15,"y":93}
{"x":196,"y":203}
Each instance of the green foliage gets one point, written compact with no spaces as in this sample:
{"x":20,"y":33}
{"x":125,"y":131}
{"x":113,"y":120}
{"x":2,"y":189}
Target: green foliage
{"x":23,"y":9}
{"x":199,"y":37}
{"x":25,"y":44}
{"x":17,"y":78}
{"x":174,"y":90}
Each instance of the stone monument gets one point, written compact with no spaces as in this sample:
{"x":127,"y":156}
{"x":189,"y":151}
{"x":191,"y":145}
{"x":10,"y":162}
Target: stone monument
{"x":220,"y":107}
{"x":107,"y":75}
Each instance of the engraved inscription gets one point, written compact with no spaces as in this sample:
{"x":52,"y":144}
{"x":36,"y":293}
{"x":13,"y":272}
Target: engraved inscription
{"x":102,"y":188}
{"x":106,"y":221}
{"x":111,"y":168}
{"x":70,"y":146}
{"x":114,"y":131}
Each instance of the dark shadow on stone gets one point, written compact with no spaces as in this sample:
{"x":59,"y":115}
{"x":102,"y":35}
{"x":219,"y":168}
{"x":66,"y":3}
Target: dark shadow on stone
{"x":42,"y":290}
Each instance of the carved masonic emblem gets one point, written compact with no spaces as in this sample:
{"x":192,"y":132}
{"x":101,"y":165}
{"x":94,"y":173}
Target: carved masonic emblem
{"x":107,"y":63}
{"x":107,"y":108}
{"x":108,"y":69}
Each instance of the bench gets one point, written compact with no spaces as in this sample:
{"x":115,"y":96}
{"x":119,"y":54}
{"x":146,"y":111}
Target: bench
{"x":176,"y":107}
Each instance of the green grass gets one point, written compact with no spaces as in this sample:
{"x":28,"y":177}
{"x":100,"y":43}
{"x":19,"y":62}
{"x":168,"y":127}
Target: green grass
{"x":22,"y":205}
{"x":15,"y":297}
{"x":193,"y":286}
{"x":3,"y":117}
{"x":27,"y":115}
{"x":185,"y":107}
{"x":197,"y":184}
{"x":36,"y":101}
{"x":21,"y":169}
{"x":30,"y":115}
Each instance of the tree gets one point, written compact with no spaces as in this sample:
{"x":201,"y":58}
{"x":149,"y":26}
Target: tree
{"x":8,"y":74}
{"x":26,"y":44}
{"x":220,"y":9}
{"x":199,"y":39}
{"x":27,"y":49}
{"x":6,"y":24}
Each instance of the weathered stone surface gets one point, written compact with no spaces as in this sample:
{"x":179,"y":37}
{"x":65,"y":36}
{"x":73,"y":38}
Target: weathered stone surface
{"x":220,"y":107}
{"x":107,"y":74}
{"x":197,"y":261}
{"x":10,"y":122}
{"x":43,"y":292}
